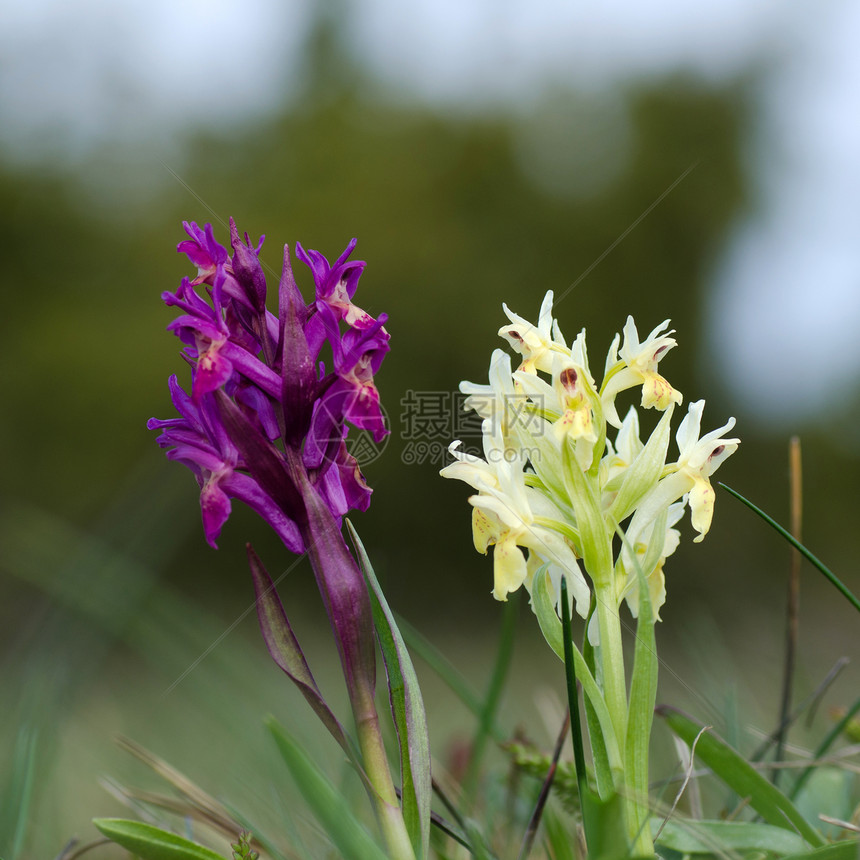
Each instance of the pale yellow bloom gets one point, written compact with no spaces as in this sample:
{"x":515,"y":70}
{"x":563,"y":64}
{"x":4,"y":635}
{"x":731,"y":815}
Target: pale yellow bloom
{"x":505,"y":514}
{"x":636,"y":364}
{"x":535,"y":343}
{"x":697,"y":460}
{"x":651,"y":546}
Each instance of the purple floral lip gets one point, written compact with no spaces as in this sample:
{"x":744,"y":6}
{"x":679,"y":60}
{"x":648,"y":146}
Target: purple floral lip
{"x":262,"y":402}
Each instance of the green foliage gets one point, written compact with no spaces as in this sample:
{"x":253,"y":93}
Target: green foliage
{"x":407,"y":708}
{"x":152,"y":843}
{"x":740,"y":776}
{"x":608,"y":759}
{"x":16,"y":794}
{"x":829,"y":791}
{"x":536,"y":763}
{"x":721,"y":837}
{"x":242,"y":849}
{"x":329,"y":807}
{"x":846,"y":850}
{"x":604,"y":823}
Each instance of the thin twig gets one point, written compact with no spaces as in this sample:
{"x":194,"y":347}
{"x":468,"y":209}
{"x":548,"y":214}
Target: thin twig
{"x":448,"y":803}
{"x":537,"y":812}
{"x":811,"y":701}
{"x":846,"y":825}
{"x":687,"y":778}
{"x":79,"y":851}
{"x":792,"y":607}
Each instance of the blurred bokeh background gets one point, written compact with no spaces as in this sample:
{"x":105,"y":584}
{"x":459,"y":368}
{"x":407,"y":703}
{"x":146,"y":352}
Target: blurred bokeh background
{"x":694,"y":162}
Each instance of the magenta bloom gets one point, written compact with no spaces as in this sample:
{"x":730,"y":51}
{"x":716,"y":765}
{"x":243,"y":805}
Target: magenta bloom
{"x":263,"y":403}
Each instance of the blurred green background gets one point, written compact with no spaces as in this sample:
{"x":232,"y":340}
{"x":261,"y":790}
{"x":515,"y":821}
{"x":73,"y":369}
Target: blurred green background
{"x":109,"y":594}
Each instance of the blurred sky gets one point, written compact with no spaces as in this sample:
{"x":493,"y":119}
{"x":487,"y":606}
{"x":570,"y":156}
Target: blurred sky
{"x":784,"y":309}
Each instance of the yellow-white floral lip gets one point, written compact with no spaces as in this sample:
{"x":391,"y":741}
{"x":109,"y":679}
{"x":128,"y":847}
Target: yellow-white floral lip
{"x":504,"y":516}
{"x":698,"y":459}
{"x":636,"y":364}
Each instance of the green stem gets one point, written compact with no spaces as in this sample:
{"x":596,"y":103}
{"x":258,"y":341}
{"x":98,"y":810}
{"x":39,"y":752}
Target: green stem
{"x":384,"y":796}
{"x":614,"y":684}
{"x":612,"y":661}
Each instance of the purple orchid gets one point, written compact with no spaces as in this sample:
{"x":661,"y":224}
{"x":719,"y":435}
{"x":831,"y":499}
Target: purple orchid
{"x":267,"y":424}
{"x":270,"y":368}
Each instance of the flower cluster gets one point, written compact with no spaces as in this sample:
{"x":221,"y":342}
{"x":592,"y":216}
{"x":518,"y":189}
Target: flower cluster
{"x":554,"y":482}
{"x":263,"y":406}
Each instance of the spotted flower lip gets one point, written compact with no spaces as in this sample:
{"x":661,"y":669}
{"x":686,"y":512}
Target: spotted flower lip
{"x":264,"y":377}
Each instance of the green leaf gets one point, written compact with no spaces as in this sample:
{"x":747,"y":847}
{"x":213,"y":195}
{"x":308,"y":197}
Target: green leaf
{"x":602,"y":770}
{"x":596,"y":540}
{"x":152,"y":843}
{"x":713,"y":837}
{"x":829,"y":791}
{"x":740,"y":776}
{"x":847,"y":850}
{"x":330,"y":808}
{"x":644,"y":472}
{"x":558,"y":837}
{"x":407,"y":708}
{"x":604,"y":823}
{"x":573,"y":699}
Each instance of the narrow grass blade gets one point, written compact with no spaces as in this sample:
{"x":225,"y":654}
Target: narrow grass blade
{"x":407,"y":709}
{"x":196,"y":796}
{"x":846,"y":593}
{"x":740,"y":776}
{"x":540,"y":805}
{"x":329,"y":807}
{"x":825,"y":745}
{"x":716,"y":837}
{"x":572,"y":697}
{"x":152,"y":843}
{"x":16,"y":799}
{"x":551,"y":627}
{"x":559,"y":840}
